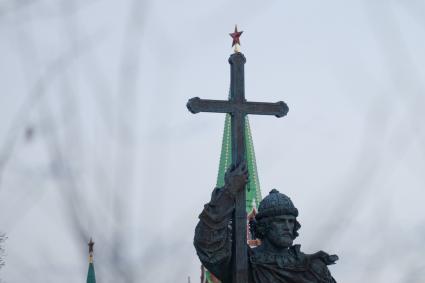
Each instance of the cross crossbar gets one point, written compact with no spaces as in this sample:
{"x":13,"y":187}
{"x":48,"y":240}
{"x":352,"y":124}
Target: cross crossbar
{"x":278,"y":109}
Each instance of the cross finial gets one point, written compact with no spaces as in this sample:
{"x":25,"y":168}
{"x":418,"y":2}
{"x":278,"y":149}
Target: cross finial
{"x":235,"y":35}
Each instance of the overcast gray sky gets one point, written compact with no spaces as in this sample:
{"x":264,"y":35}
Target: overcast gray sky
{"x":96,"y":140}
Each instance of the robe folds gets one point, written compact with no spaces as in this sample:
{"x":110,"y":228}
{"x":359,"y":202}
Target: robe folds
{"x":213,"y":244}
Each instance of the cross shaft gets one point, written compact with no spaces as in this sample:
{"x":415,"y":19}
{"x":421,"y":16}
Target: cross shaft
{"x":238,"y":108}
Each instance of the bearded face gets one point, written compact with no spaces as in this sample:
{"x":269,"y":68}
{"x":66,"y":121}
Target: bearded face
{"x":281,"y":231}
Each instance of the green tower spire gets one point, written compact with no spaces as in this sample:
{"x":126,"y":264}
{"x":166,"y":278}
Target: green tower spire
{"x":253,"y":193}
{"x":91,"y":276}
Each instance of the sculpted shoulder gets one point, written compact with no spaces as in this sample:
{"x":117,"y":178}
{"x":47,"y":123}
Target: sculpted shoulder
{"x":316,"y":262}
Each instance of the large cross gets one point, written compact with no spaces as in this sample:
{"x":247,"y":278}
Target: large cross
{"x":238,"y":108}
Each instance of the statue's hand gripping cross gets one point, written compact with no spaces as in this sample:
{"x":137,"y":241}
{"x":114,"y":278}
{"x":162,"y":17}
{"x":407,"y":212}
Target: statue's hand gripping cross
{"x":238,"y":108}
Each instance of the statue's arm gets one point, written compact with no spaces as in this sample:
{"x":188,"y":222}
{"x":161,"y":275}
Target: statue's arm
{"x":213,"y":235}
{"x":319,"y":265}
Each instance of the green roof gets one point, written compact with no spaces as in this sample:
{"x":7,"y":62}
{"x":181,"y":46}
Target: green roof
{"x":91,"y":276}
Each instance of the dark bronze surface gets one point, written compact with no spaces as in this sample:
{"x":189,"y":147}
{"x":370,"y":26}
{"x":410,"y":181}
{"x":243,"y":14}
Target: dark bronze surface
{"x":276,"y":259}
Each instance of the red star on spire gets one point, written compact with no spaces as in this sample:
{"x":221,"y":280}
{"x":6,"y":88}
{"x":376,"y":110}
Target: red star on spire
{"x":91,"y":244}
{"x":235,"y":35}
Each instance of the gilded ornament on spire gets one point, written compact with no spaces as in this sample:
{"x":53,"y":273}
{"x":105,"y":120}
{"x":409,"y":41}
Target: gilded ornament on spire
{"x":91,"y":244}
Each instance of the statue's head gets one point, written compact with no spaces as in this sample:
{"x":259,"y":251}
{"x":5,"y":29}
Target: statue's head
{"x":276,"y":220}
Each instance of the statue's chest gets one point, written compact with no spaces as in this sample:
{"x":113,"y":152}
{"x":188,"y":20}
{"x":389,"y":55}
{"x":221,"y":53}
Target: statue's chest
{"x":279,"y":269}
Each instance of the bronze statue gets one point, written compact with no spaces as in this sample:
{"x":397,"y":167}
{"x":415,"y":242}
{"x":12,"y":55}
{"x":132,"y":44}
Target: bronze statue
{"x":276,"y":259}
